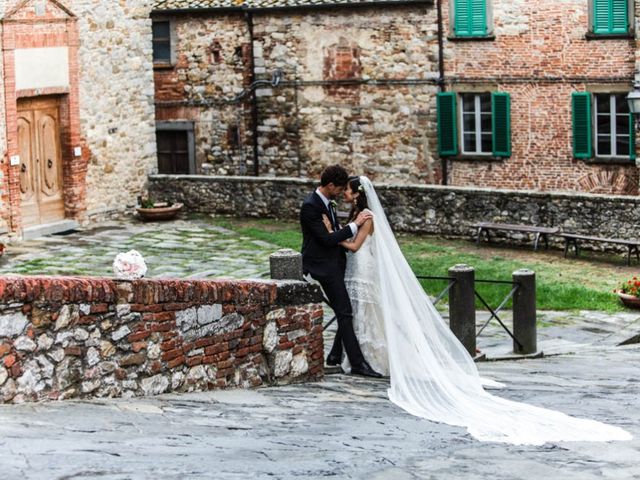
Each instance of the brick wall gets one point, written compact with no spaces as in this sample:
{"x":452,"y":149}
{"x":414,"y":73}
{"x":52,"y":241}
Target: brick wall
{"x":86,"y":337}
{"x":540,"y":55}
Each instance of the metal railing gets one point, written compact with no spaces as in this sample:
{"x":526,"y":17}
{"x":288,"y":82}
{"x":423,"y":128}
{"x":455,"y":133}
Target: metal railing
{"x":493,"y":312}
{"x":461,"y":288}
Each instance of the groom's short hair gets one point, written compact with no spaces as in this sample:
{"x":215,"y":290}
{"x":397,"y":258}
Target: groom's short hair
{"x":334,"y":174}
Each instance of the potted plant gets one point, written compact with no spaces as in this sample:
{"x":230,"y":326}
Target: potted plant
{"x":629,"y":293}
{"x":151,"y":210}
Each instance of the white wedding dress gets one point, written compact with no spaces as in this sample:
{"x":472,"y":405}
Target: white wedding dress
{"x":360,"y":278}
{"x":432,"y":376}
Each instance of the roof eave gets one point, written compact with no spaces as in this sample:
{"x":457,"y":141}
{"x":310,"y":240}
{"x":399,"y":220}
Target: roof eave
{"x":286,"y":8}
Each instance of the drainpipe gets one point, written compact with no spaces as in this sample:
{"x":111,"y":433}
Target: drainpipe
{"x":442,"y":87}
{"x":254,"y":100}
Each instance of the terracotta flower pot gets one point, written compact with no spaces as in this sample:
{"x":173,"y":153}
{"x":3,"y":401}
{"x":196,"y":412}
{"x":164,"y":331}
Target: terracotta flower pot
{"x":629,"y":300}
{"x":159,"y":212}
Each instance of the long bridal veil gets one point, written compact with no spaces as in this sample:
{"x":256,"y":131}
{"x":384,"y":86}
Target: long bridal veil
{"x":432,"y":375}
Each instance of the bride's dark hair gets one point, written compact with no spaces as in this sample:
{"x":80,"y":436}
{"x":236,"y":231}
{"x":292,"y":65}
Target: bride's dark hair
{"x":361,"y":202}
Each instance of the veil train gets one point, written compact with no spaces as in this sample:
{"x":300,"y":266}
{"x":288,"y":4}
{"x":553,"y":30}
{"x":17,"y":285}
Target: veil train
{"x":433,"y":376}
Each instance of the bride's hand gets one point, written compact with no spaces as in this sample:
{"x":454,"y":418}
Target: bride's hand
{"x":363,"y":217}
{"x":327,"y":223}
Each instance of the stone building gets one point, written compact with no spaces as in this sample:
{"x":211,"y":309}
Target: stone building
{"x":97,"y":94}
{"x":76,"y":115}
{"x":496,"y":93}
{"x":358,"y":87}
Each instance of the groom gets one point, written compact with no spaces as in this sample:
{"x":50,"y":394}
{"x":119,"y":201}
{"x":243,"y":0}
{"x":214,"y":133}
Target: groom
{"x":325,"y":260}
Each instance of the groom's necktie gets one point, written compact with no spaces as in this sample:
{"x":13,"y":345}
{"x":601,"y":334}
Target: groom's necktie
{"x":334,"y":217}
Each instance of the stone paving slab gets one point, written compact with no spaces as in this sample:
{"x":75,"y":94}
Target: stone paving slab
{"x":342,"y":427}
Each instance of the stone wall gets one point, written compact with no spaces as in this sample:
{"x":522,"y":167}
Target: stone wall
{"x":116,"y":100}
{"x":365,"y":96}
{"x":4,"y":187}
{"x":211,"y":68}
{"x":86,"y":337}
{"x":431,"y":209}
{"x":359,"y":89}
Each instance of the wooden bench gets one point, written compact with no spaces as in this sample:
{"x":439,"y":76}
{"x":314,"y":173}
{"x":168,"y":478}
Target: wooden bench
{"x":573,"y":238}
{"x":538,"y":232}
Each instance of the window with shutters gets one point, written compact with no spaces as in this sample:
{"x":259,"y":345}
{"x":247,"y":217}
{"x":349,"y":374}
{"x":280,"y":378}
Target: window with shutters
{"x":475,"y":122}
{"x":470,"y":18}
{"x":610,"y":17}
{"x":603,"y":128}
{"x":161,"y":38}
{"x":612,"y":125}
{"x":480,"y":123}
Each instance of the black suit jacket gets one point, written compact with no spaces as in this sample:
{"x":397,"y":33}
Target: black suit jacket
{"x":322,"y":255}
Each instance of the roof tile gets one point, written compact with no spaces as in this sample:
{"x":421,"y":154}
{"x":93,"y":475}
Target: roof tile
{"x":160,"y":5}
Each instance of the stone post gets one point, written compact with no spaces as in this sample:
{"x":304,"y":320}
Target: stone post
{"x":286,"y":264}
{"x":524,"y":312}
{"x":462,"y":306}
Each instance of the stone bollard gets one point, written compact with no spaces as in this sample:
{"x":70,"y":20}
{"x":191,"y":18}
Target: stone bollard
{"x":462,"y":306}
{"x":524,"y":312}
{"x":286,"y":264}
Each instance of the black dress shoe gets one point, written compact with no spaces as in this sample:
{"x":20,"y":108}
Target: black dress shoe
{"x":333,"y":360}
{"x":365,"y":370}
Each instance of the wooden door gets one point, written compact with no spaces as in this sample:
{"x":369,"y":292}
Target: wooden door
{"x":40,"y":161}
{"x":173,"y":151}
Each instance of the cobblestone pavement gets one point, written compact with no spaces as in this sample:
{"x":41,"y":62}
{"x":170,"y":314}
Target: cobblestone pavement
{"x":342,"y":427}
{"x":182,"y":248}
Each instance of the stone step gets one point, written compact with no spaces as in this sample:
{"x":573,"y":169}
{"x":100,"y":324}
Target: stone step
{"x":44,"y":229}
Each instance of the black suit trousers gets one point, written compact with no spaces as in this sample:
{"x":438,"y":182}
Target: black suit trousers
{"x":338,"y":297}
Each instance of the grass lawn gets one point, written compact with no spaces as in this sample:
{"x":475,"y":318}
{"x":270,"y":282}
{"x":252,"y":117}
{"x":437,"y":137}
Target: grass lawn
{"x":562,"y":284}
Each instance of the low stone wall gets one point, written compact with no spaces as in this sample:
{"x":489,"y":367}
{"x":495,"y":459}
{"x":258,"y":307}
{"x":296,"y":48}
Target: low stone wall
{"x":86,"y":337}
{"x":433,"y":209}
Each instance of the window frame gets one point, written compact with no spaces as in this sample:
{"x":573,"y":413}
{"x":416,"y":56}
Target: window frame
{"x":591,"y":34}
{"x":184,"y":126}
{"x":171,"y":61}
{"x":489,"y":35}
{"x":478,"y":124}
{"x":613,"y":134}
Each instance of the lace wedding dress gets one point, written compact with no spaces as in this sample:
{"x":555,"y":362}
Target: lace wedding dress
{"x":432,"y":375}
{"x":368,"y":323}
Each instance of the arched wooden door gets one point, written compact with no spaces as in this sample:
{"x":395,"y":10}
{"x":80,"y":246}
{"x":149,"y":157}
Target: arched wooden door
{"x":40,"y":161}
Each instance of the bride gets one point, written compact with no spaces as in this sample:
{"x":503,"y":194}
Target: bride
{"x":432,"y":375}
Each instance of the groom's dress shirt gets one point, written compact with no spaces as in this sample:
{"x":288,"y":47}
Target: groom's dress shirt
{"x":334,"y":221}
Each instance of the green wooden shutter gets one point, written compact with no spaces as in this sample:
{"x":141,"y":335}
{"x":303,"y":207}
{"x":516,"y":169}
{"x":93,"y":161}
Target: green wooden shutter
{"x":478,"y":17}
{"x":447,"y":128}
{"x":501,"y":124}
{"x":619,"y":16}
{"x":461,"y":15}
{"x":610,"y":16}
{"x":470,"y":18}
{"x":581,"y":115}
{"x":632,"y":137}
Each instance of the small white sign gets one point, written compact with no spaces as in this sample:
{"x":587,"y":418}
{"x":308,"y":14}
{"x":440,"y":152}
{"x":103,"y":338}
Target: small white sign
{"x":15,"y":160}
{"x":77,"y":151}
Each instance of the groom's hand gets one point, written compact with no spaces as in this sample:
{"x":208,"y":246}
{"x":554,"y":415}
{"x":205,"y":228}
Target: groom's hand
{"x":363,"y":217}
